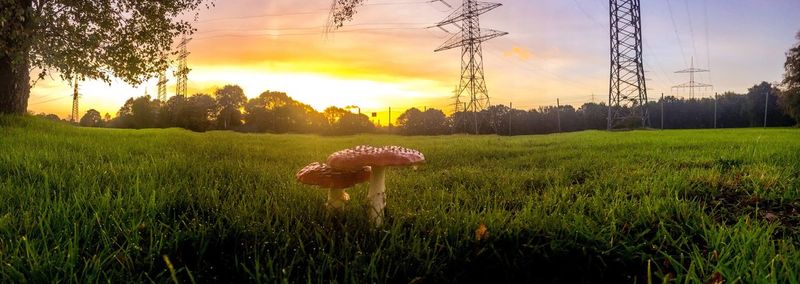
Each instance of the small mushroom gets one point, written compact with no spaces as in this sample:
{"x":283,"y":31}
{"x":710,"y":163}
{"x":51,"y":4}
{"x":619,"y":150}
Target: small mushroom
{"x":378,"y":159}
{"x":336,"y":180}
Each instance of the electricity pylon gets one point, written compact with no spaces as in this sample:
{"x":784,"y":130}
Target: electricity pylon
{"x":182,"y":74}
{"x":466,"y":18}
{"x":627,"y":96}
{"x":162,"y":87}
{"x":692,"y":84}
{"x":75,"y":96}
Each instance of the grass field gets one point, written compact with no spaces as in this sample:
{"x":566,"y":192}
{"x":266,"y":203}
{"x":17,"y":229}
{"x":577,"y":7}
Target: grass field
{"x":91,"y":205}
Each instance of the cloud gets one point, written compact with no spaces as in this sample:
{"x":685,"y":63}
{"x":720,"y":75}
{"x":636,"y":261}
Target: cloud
{"x":519,"y":52}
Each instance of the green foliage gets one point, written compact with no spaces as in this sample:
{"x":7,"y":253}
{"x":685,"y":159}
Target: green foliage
{"x":791,"y":80}
{"x":92,"y":118}
{"x":790,"y":99}
{"x":229,"y":99}
{"x":137,"y":113}
{"x":276,"y":112}
{"x":343,"y":11}
{"x":343,"y":122}
{"x":100,"y":205}
{"x":430,"y":122}
{"x":126,"y":39}
{"x":792,"y":77}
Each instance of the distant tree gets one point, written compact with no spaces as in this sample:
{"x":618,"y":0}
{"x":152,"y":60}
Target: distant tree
{"x":792,"y":76}
{"x":49,"y":116}
{"x":138,"y":113}
{"x":410,"y":122}
{"x":334,"y":114}
{"x":230,"y":99}
{"x":126,"y":39}
{"x":790,"y":98}
{"x":92,"y":118}
{"x":757,"y":97}
{"x":276,"y":112}
{"x":430,"y":122}
{"x":595,"y":116}
{"x":497,"y":116}
{"x":198,"y":113}
{"x":435,"y":122}
{"x":107,"y":117}
{"x":352,"y":123}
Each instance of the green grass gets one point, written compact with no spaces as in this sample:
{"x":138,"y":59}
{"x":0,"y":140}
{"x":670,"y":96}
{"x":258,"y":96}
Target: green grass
{"x":98,"y":205}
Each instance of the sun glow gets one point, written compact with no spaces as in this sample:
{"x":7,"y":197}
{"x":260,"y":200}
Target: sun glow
{"x":321,"y":90}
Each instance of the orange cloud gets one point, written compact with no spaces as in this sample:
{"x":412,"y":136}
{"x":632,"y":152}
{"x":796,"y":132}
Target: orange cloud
{"x":519,"y":52}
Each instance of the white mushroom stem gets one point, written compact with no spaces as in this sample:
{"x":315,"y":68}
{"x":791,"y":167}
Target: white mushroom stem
{"x":337,"y":199}
{"x":376,"y":197}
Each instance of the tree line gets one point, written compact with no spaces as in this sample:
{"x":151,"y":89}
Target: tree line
{"x":275,"y":112}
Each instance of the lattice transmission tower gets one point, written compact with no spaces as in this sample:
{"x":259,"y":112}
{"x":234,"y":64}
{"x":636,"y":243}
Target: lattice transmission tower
{"x":627,"y":96}
{"x":472,"y":84}
{"x":692,"y":84}
{"x":162,"y":86}
{"x":75,"y":97}
{"x":182,"y":74}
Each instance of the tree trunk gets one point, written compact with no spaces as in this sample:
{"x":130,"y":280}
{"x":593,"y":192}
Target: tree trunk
{"x":14,"y":85}
{"x":14,"y":62}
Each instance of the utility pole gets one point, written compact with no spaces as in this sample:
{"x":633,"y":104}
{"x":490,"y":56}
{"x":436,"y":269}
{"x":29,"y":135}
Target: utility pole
{"x":715,"y":110}
{"x":766,"y":107}
{"x":472,"y":82}
{"x":390,"y":119}
{"x":558,"y":114}
{"x":75,"y":95}
{"x":662,"y":111}
{"x":627,"y":95}
{"x":510,"y":112}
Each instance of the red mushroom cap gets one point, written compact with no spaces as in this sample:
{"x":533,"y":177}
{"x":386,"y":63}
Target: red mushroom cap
{"x":388,"y":156}
{"x":326,"y":177}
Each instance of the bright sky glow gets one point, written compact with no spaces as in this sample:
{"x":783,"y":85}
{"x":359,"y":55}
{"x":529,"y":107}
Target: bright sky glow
{"x":385,"y":58}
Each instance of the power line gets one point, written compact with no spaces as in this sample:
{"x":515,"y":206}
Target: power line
{"x":300,"y":28}
{"x":691,"y":27}
{"x":50,"y":100}
{"x":307,"y":12}
{"x":675,"y":28}
{"x":302,"y":34}
{"x":708,"y":41}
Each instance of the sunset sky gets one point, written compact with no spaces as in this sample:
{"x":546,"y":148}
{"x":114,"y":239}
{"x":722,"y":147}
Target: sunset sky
{"x":384,"y":58}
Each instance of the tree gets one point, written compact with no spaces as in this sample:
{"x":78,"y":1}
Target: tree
{"x":230,"y":99}
{"x":92,"y":118}
{"x":198,"y":113}
{"x":138,"y":113}
{"x":334,"y":114}
{"x":790,"y":98}
{"x":276,"y":112}
{"x":757,"y":97}
{"x":126,"y":39}
{"x":342,"y":11}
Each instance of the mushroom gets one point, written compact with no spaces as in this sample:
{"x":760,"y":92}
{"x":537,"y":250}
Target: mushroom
{"x":336,"y":180}
{"x":378,"y":159}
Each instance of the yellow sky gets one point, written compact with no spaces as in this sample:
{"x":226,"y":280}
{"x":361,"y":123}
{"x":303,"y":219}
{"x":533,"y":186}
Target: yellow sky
{"x":385,"y":58}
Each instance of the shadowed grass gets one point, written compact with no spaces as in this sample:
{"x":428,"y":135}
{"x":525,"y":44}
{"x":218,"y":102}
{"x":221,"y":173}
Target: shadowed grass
{"x":91,"y":205}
